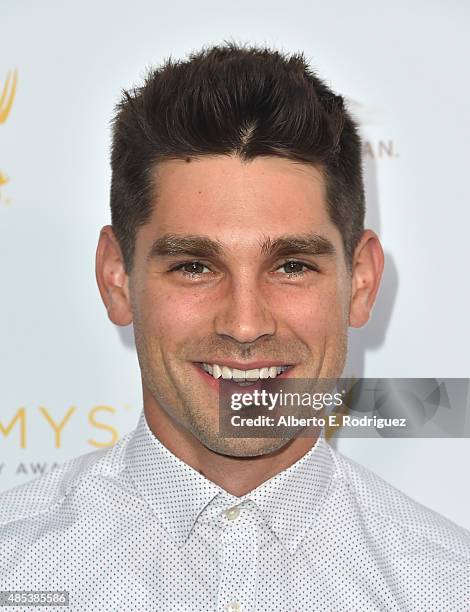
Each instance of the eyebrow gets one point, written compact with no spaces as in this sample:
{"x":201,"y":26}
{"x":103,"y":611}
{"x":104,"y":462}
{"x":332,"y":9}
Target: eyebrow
{"x":306,"y":244}
{"x":171,"y":245}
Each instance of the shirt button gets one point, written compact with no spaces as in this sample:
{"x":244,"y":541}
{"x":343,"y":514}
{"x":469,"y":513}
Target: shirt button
{"x":232,"y":514}
{"x":234,"y":607}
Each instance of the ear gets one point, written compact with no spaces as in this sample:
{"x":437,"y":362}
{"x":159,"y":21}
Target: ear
{"x":367,"y":268}
{"x":113,"y":282}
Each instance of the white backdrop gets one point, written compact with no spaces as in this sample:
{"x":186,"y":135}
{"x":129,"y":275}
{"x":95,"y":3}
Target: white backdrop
{"x":69,"y":378}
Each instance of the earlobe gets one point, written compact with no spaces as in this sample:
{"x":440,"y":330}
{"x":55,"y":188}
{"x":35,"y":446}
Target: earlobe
{"x":367,"y":269}
{"x":112,"y":278}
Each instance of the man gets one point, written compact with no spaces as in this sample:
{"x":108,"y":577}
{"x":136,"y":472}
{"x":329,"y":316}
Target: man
{"x":237,"y":250}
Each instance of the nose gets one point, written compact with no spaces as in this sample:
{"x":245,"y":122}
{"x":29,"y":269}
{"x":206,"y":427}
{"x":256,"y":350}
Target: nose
{"x":243,"y":314}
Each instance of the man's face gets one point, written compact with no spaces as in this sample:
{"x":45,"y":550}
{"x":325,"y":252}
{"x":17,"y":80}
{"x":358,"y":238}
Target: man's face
{"x":240,"y":266}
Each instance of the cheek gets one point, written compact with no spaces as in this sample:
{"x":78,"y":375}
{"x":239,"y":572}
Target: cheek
{"x":172,"y":316}
{"x":314,"y":314}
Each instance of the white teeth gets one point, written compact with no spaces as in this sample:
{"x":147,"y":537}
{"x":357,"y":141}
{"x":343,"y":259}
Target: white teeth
{"x":238,"y":374}
{"x":252,"y":375}
{"x":241,"y":376}
{"x":226,"y":373}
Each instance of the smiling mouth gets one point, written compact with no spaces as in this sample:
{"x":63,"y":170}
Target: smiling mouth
{"x":243,"y":377}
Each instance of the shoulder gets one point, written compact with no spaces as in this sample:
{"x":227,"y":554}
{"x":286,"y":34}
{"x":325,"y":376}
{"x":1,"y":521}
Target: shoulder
{"x":379,"y":501}
{"x":51,"y":489}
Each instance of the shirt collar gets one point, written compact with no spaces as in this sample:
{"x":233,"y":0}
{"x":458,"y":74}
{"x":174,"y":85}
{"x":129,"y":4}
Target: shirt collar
{"x":292,"y":500}
{"x":177,"y":493}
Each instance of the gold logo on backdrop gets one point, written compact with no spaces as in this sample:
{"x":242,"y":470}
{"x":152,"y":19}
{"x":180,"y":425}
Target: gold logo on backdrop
{"x":7,"y":98}
{"x":8,"y":95}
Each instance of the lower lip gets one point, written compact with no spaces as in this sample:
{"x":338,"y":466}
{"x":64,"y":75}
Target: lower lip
{"x":214,"y":382}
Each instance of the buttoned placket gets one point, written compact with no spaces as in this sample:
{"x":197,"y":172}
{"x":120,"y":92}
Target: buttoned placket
{"x":238,"y":555}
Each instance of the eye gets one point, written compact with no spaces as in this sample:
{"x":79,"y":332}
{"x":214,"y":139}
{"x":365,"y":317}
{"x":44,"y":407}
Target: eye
{"x":191,"y":268}
{"x":297,"y":268}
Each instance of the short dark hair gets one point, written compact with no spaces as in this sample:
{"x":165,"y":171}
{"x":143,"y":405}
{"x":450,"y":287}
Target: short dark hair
{"x":234,"y":99}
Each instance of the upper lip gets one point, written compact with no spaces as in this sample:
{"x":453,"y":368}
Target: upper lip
{"x":253,"y":365}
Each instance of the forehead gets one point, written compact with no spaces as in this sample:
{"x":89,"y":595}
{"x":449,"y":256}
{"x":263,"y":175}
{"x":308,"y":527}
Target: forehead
{"x":238,"y":201}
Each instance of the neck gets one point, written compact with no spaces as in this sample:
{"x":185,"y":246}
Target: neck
{"x":236,"y":475}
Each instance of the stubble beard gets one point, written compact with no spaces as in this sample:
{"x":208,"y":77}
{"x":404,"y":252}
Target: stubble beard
{"x":191,"y":413}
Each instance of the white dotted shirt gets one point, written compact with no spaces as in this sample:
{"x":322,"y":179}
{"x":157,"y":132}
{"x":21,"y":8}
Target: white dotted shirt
{"x":133,"y":528}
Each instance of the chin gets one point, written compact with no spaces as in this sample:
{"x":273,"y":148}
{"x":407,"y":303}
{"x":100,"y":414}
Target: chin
{"x":245,"y":447}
